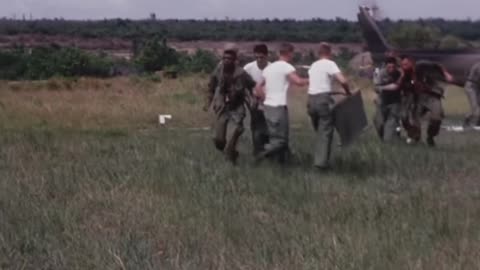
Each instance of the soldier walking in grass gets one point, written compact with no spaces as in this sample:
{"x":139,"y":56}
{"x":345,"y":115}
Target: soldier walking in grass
{"x":472,"y":89}
{"x":228,"y":91}
{"x":258,"y":122}
{"x":388,"y":109}
{"x":422,"y":96}
{"x":277,"y":78}
{"x":322,"y":73}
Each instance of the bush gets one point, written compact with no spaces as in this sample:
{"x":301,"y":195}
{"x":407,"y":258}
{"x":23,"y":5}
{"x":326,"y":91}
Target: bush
{"x":46,"y":62}
{"x":411,"y":35}
{"x":201,"y":62}
{"x":156,"y":55}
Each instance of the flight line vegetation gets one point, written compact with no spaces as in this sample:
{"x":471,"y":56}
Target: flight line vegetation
{"x":313,"y":30}
{"x":152,"y":53}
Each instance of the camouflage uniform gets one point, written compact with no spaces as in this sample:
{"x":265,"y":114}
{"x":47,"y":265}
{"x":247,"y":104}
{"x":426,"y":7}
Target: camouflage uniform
{"x":472,"y":89}
{"x":387,"y":114}
{"x":228,"y":94}
{"x":422,"y":96}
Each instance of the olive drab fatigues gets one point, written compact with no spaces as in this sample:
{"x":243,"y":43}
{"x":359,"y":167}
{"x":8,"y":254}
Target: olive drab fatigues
{"x":228,"y":94}
{"x":472,"y":90}
{"x":258,"y":126}
{"x":387,"y":115}
{"x":320,"y":109}
{"x":423,"y":95}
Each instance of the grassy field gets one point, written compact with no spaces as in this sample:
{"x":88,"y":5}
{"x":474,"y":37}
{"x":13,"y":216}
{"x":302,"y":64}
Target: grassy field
{"x":89,"y":180}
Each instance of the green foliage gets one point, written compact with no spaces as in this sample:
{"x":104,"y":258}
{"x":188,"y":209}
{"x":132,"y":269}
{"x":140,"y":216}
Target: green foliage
{"x":452,"y":42}
{"x":411,"y":35}
{"x":46,"y":62}
{"x":343,"y":57}
{"x":314,"y":30}
{"x":156,"y":55}
{"x":201,"y":61}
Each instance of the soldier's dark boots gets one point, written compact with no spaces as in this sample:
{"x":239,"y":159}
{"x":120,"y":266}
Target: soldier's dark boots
{"x":467,"y":122}
{"x":431,"y":142}
{"x":219,"y":144}
{"x":233,"y":157}
{"x":323,"y":168}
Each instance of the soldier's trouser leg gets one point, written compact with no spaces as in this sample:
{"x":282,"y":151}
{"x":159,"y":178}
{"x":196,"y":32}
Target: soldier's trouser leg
{"x":320,"y":111}
{"x":220,"y":130}
{"x":473,"y":96}
{"x":411,"y":119}
{"x":278,"y":131}
{"x":435,"y":116}
{"x":259,"y":130}
{"x":378,"y":120}
{"x":391,"y":114}
{"x":236,"y":117}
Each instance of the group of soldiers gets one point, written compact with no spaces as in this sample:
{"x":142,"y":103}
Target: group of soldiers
{"x":411,"y":91}
{"x":261,"y":87}
{"x":407,"y":92}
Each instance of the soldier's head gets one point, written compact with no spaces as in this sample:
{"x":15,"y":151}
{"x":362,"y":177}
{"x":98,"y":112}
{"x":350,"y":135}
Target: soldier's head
{"x":391,"y":64}
{"x":325,"y":50}
{"x":408,"y":63}
{"x":286,"y":51}
{"x":229,"y":59}
{"x":261,"y":55}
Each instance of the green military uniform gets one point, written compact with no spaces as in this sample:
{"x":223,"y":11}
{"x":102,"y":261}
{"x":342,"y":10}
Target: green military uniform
{"x":388,"y":109}
{"x":423,"y":95}
{"x":228,"y":93}
{"x":472,"y":89}
{"x":258,"y":126}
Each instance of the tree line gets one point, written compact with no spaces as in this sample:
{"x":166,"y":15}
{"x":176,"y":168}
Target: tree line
{"x":153,"y":55}
{"x":314,"y":30}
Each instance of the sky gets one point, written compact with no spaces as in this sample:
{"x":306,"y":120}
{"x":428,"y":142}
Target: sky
{"x":234,"y":9}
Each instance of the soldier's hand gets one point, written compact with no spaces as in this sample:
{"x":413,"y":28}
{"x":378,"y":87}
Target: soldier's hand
{"x":206,"y":108}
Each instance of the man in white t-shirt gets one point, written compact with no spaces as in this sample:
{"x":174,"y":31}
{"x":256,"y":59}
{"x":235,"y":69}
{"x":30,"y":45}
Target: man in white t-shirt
{"x":322,"y":74}
{"x":277,"y":78}
{"x":258,"y":123}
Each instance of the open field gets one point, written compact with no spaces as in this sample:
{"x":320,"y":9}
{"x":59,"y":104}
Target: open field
{"x":88,"y":180}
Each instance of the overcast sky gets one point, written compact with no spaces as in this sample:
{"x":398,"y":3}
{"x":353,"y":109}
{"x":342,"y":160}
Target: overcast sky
{"x":299,"y":9}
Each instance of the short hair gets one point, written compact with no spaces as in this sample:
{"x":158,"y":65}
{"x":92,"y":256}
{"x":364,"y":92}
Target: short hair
{"x":390,"y":60}
{"x":325,"y":48}
{"x":233,"y":53}
{"x":286,"y":48}
{"x":260,"y":48}
{"x":407,"y":57}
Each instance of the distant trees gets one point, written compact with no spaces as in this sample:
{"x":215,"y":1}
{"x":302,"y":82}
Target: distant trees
{"x":417,"y":36}
{"x":314,"y":30}
{"x":156,"y":55}
{"x":411,"y":35}
{"x":46,"y":62}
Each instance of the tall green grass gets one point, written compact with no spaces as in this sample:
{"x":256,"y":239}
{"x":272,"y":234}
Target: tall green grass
{"x":123,"y":197}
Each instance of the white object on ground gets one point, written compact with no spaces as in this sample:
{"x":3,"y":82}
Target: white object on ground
{"x":162,"y":118}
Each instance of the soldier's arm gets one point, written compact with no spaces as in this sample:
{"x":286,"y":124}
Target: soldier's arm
{"x":249,"y":83}
{"x":343,"y":82}
{"x":297,"y":80}
{"x":259,"y":90}
{"x":389,"y":87}
{"x":212,"y":86}
{"x":448,"y":77}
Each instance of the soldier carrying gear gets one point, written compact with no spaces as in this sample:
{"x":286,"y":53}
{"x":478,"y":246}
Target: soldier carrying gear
{"x":472,"y":89}
{"x":389,"y":100}
{"x":422,"y":95}
{"x":228,"y":91}
{"x":257,"y":116}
